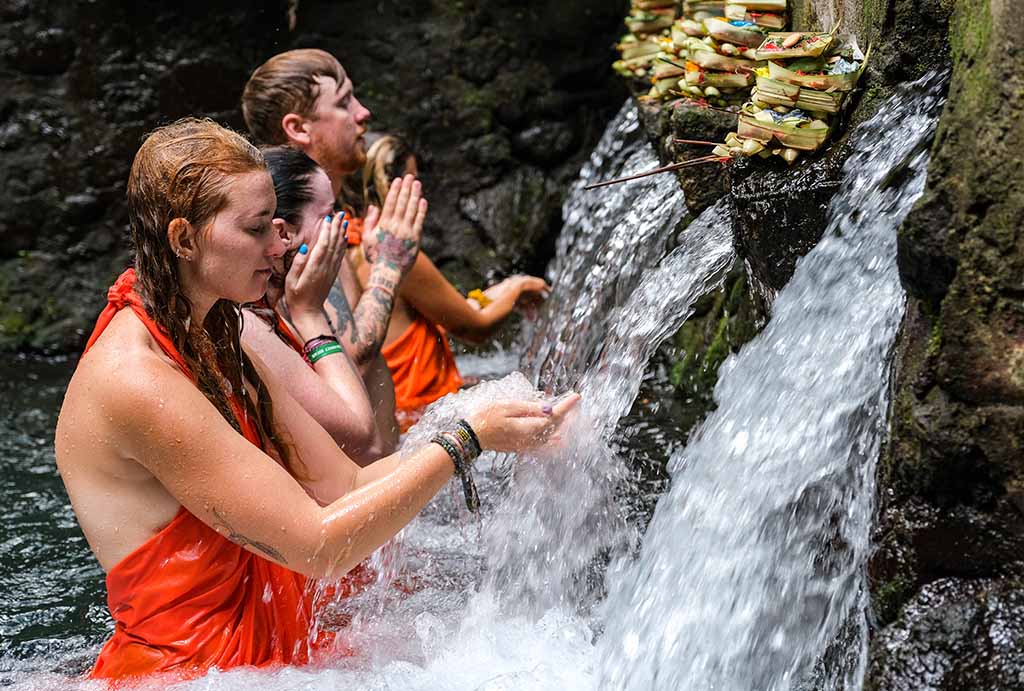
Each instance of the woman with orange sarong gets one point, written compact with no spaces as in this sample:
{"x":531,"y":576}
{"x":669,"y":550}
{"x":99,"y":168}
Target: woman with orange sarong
{"x":205,"y":491}
{"x":428,"y":307}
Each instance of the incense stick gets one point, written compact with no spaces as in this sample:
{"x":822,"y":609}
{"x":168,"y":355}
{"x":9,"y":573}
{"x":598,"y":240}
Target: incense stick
{"x":698,"y":142}
{"x":664,"y":169}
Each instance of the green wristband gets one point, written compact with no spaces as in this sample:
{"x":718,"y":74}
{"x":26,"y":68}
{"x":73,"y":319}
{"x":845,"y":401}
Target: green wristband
{"x":323,"y":351}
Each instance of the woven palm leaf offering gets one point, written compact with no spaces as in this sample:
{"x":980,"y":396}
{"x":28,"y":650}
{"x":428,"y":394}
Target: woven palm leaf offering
{"x":718,"y":51}
{"x":649,"y":23}
{"x":797,"y":94}
{"x":770,"y":14}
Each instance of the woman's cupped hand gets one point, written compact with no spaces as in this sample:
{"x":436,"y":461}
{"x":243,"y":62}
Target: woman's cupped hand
{"x":516,"y":426}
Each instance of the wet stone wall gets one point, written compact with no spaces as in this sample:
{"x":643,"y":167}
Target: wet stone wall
{"x":501,"y":99}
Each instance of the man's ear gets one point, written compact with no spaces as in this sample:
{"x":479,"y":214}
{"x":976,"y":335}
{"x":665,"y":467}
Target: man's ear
{"x":295,"y":129}
{"x":182,"y":237}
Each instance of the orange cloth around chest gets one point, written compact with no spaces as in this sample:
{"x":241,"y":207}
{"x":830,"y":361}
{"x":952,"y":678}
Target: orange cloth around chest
{"x":188,"y":599}
{"x":422,"y":368}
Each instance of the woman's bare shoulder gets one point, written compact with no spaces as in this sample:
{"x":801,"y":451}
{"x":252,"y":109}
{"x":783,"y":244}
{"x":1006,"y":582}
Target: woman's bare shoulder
{"x":123,"y":370}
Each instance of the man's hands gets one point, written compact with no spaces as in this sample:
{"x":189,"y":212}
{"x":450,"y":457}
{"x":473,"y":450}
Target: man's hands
{"x":520,"y":425}
{"x":392,"y":235}
{"x":312,"y":274}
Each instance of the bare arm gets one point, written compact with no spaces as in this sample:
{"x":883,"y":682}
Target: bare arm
{"x":430,"y":293}
{"x":163,"y":422}
{"x":333,"y":393}
{"x":391,"y":245}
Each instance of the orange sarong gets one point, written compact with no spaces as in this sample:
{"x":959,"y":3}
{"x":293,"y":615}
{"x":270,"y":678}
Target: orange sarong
{"x":422,"y":368}
{"x":189,"y":599}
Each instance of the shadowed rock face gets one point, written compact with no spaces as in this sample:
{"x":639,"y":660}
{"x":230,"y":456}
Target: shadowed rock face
{"x":501,"y":100}
{"x":954,"y":635}
{"x":953,"y":480}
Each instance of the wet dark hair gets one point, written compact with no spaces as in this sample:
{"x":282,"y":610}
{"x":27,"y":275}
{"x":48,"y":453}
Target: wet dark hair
{"x":291,"y":170}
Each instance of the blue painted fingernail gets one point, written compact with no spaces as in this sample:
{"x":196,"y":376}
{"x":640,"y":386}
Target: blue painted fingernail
{"x":303,"y":248}
{"x":547,"y":409}
{"x":343,"y":214}
{"x":327,"y":218}
{"x":344,"y":225}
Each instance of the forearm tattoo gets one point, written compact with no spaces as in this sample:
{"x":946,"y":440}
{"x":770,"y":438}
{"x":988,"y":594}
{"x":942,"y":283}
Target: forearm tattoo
{"x":222,"y":526}
{"x":362,"y":332}
{"x":394,"y":252}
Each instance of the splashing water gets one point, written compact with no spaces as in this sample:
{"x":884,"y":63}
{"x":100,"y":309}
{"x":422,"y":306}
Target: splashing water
{"x":754,"y":562}
{"x":611,"y":237}
{"x":561,"y":517}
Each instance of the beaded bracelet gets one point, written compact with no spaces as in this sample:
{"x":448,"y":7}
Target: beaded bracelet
{"x":322,"y":351}
{"x":463,"y":450}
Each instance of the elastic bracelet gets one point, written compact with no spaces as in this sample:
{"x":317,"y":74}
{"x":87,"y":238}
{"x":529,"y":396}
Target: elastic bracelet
{"x":462,"y":459}
{"x":311,"y":345}
{"x":465,"y":431}
{"x":322,"y":351}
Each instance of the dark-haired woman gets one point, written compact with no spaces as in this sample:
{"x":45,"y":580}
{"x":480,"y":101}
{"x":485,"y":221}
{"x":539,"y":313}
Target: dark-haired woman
{"x":329,"y":388}
{"x":205,"y":491}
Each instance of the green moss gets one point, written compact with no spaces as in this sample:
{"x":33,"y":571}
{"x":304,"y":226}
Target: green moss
{"x":14,"y":330}
{"x":478,"y":98}
{"x":934,"y":340}
{"x":887,"y":597}
{"x":722,"y":322}
{"x":970,"y":32}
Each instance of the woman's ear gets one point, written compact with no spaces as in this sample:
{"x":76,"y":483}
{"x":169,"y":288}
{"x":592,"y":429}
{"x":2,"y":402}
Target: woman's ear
{"x":285,"y":231}
{"x":294,"y":127}
{"x":182,"y":238}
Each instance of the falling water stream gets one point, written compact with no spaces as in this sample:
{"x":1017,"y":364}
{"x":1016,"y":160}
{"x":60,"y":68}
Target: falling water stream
{"x":753,"y":564}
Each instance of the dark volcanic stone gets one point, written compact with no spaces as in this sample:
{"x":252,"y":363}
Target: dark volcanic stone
{"x":47,"y":52}
{"x":517,"y":212}
{"x":12,"y":10}
{"x":952,"y":478}
{"x":545,"y":143}
{"x":781,"y":211}
{"x":954,"y":634}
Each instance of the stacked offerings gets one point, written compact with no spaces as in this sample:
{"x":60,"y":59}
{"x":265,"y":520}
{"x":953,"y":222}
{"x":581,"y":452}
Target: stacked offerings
{"x":648,"y":23}
{"x":709,"y":54}
{"x":800,"y":88}
{"x":717,"y":42}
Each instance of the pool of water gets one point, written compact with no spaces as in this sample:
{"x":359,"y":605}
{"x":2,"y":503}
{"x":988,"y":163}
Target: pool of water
{"x":52,"y":612}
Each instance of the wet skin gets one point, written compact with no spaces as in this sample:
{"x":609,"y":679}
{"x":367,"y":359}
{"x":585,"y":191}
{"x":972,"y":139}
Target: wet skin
{"x":136,"y":439}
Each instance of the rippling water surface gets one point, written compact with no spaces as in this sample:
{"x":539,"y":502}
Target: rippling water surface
{"x":52,"y":614}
